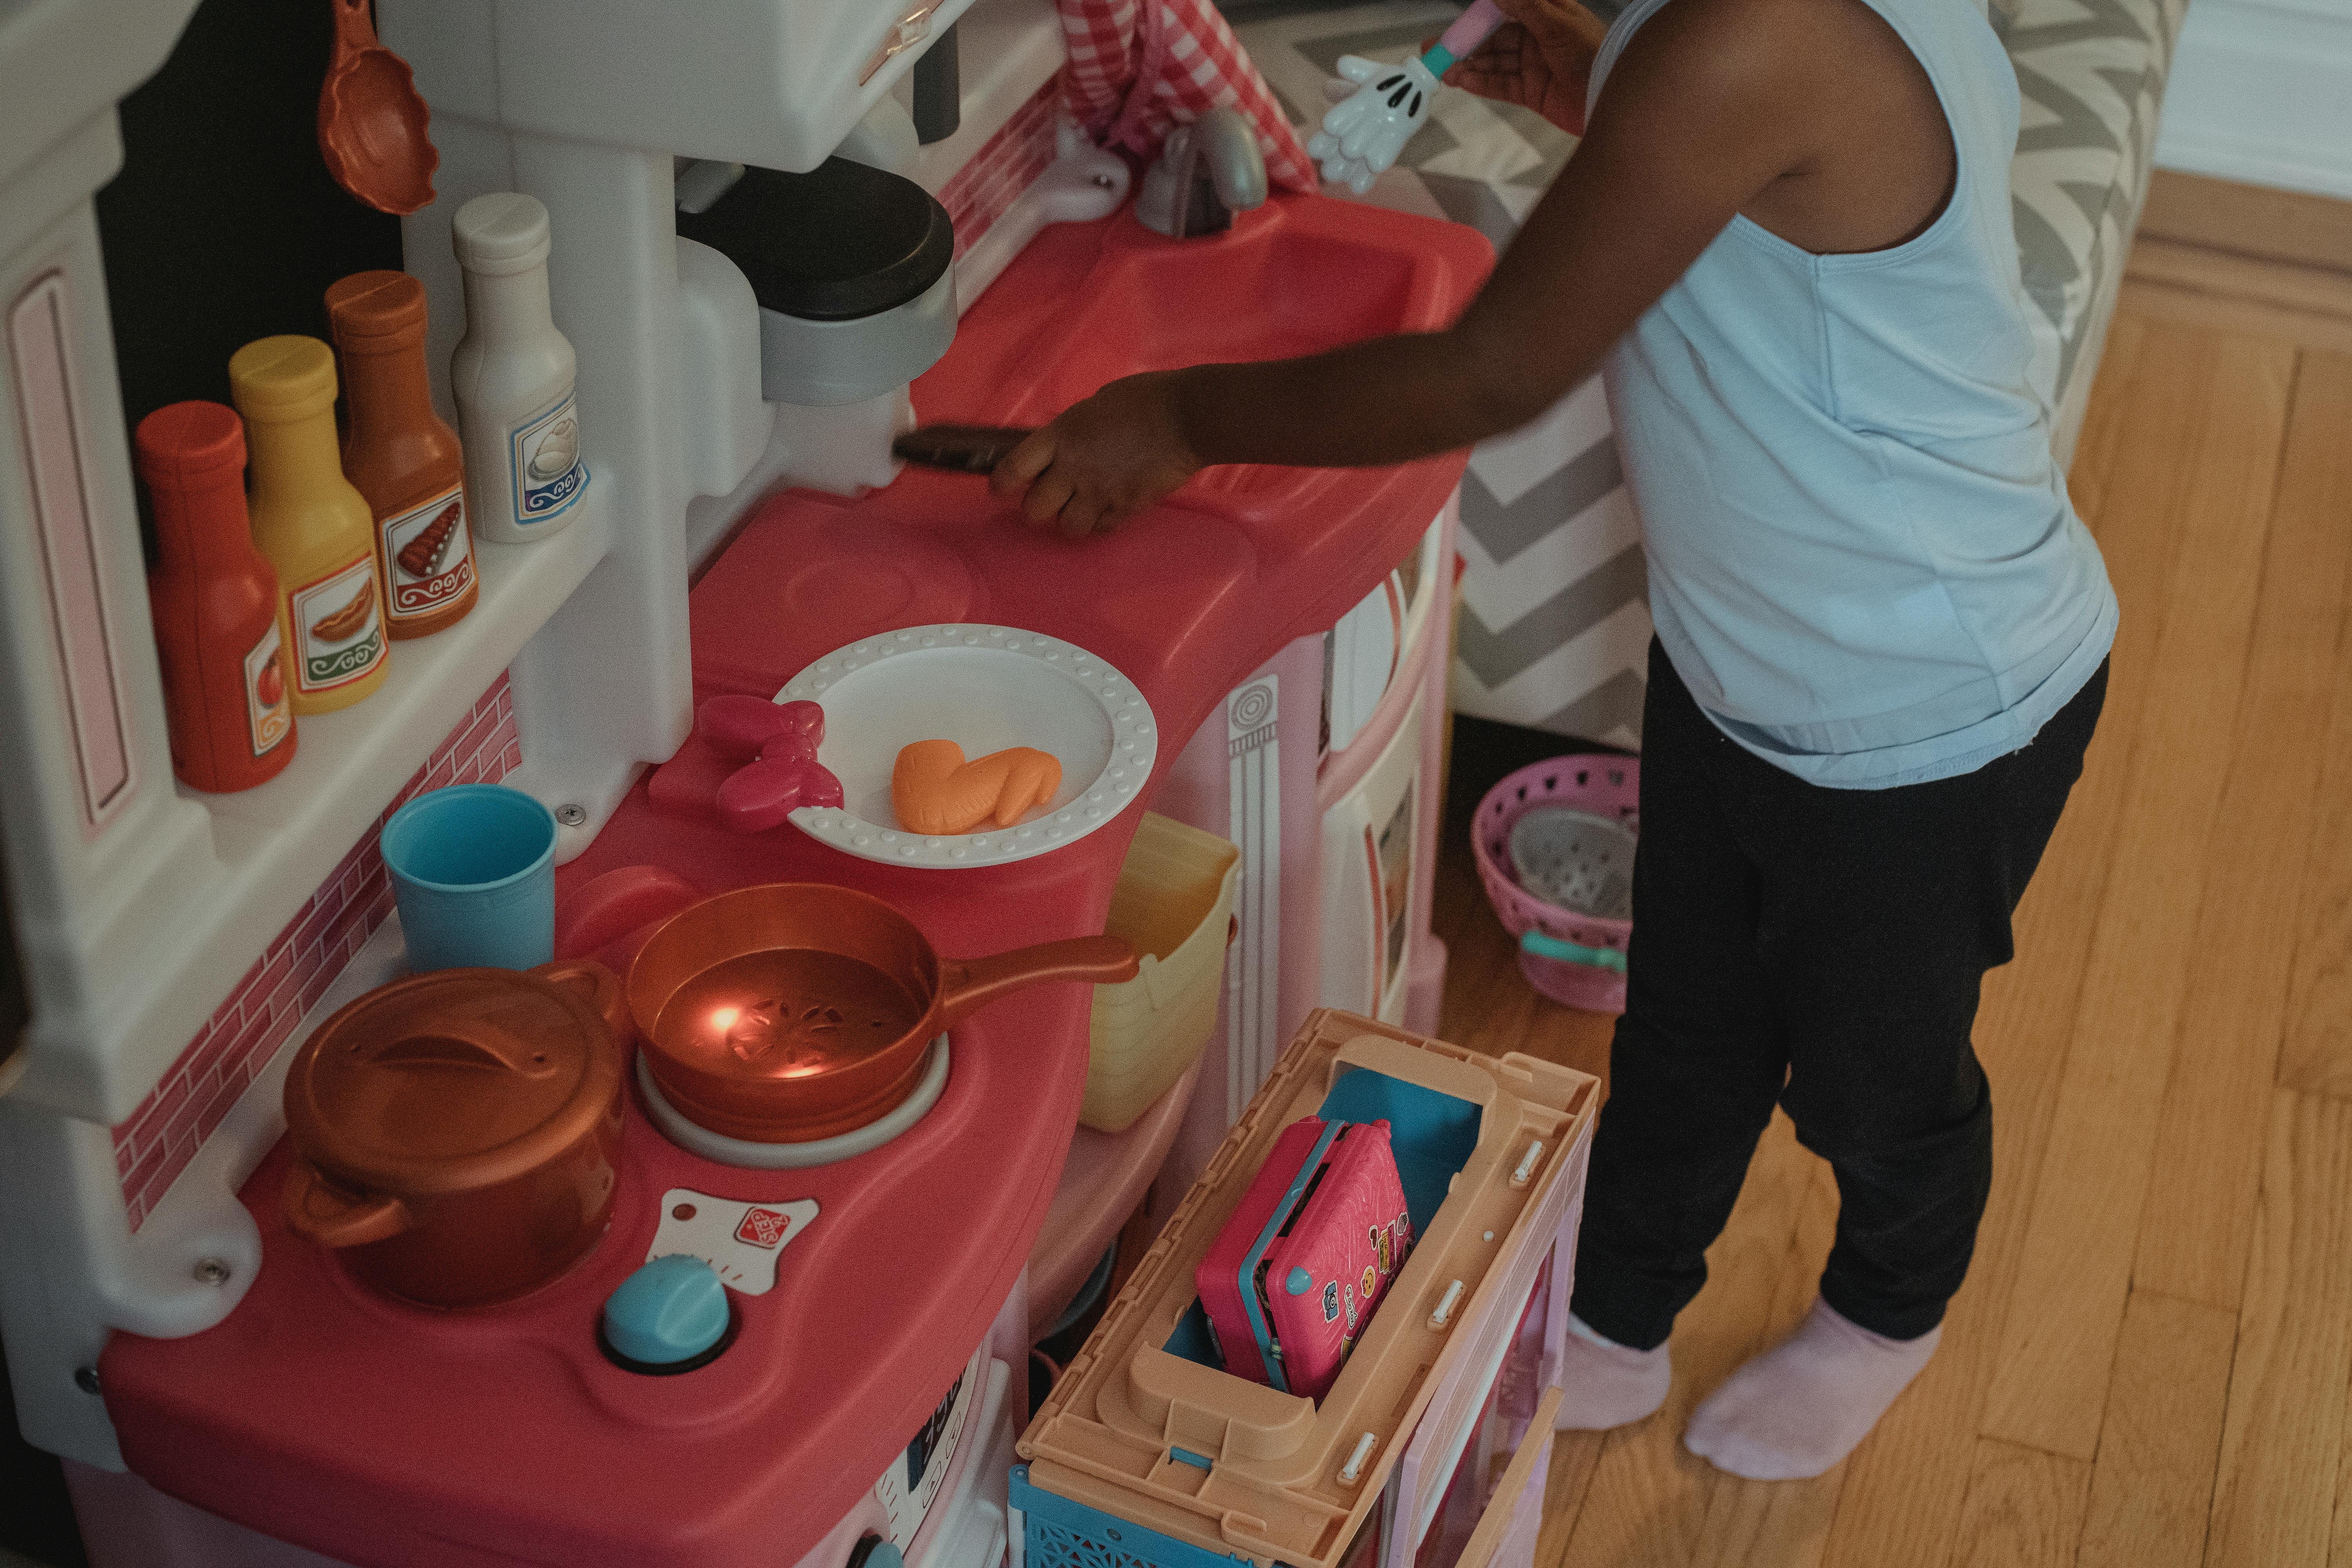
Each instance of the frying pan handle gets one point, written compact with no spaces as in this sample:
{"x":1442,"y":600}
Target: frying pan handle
{"x":966,"y":984}
{"x":319,"y":1210}
{"x":599,"y":985}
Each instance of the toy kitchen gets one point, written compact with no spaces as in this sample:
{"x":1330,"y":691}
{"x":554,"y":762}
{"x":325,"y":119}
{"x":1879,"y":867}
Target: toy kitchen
{"x":331,"y":1232}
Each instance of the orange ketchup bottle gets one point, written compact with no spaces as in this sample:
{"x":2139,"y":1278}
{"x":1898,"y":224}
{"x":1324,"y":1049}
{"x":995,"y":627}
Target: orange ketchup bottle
{"x":220,"y":622}
{"x":400,"y":455}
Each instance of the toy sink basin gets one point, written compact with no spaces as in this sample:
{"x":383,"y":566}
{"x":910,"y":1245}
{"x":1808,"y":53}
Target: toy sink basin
{"x":1089,"y":303}
{"x":1228,"y":569}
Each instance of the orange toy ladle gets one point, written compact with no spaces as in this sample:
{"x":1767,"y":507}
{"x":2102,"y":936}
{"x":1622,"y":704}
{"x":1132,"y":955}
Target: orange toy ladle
{"x":372,"y":120}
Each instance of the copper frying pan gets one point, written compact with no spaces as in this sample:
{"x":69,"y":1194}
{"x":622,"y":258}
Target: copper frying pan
{"x":797,"y":1011}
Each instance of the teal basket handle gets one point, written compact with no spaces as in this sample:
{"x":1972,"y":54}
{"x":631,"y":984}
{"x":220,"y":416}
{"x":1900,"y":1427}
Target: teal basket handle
{"x":1544,"y":946}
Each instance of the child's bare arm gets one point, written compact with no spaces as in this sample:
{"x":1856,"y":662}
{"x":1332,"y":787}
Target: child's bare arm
{"x":1712,"y":103}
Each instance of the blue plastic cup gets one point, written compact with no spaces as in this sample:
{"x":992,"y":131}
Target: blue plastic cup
{"x":473,"y":870}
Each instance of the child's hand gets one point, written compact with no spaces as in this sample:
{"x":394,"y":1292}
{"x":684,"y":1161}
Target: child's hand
{"x":1102,"y":461}
{"x":1540,"y":59}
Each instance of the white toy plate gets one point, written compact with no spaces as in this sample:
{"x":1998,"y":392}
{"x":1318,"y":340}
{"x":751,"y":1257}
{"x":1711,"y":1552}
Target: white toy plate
{"x":984,"y":687}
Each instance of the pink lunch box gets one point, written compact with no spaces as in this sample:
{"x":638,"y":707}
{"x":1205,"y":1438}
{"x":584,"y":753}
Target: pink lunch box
{"x":1291,"y":1281}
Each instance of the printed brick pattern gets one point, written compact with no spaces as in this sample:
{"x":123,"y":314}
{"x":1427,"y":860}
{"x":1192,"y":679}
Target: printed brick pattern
{"x":156,"y":1141}
{"x":1019,"y":151}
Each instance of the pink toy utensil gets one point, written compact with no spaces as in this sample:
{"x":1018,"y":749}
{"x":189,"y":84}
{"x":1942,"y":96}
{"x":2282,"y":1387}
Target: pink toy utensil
{"x":1363,"y":133}
{"x":779,"y":742}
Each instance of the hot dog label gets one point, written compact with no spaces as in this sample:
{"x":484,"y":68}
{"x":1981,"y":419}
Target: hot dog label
{"x":267,"y":716}
{"x":428,"y":555}
{"x":543,"y":462}
{"x":338,"y":628}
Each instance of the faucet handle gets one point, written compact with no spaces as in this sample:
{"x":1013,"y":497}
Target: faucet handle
{"x":1228,"y":144}
{"x":1206,"y":171}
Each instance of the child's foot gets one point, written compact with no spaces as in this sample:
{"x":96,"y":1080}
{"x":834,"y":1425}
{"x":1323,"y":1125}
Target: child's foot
{"x":1803,"y":1406}
{"x":1604,"y":1384}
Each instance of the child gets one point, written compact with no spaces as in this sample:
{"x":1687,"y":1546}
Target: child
{"x":1882,"y":631}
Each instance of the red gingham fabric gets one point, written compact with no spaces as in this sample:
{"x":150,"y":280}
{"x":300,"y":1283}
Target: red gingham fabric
{"x":1139,"y":68}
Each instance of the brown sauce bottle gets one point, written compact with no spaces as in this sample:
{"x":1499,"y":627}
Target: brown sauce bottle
{"x":400,"y":455}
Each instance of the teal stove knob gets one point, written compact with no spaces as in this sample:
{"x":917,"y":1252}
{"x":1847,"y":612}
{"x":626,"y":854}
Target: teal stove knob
{"x":672,"y":1315}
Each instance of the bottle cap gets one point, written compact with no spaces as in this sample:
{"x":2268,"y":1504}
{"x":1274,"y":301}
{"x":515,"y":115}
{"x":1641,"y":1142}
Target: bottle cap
{"x":501,"y":233}
{"x":282,"y":378}
{"x":187,"y":443}
{"x":375,"y":309}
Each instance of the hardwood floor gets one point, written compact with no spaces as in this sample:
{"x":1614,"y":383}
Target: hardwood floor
{"x":2151,"y":1365}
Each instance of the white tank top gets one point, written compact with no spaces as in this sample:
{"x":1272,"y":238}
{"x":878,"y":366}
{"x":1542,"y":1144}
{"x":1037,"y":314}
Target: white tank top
{"x":1863,"y":560}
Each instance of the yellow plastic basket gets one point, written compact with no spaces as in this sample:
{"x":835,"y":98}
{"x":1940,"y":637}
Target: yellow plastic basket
{"x":1174,"y":901}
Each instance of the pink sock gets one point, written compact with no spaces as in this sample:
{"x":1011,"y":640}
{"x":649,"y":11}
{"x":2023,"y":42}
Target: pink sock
{"x":1802,"y":1406}
{"x":1604,"y":1384}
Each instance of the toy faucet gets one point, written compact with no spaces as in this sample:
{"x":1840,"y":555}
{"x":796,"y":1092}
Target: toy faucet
{"x":1363,"y":133}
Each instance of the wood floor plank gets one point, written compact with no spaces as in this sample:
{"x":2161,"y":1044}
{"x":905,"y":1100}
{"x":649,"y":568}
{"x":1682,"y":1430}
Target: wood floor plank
{"x":2152,"y":1486}
{"x":2208,"y":1159}
{"x":1574,"y":1457}
{"x":2197,"y":308}
{"x":2315,"y":1053}
{"x":2066,"y":1305}
{"x":1648,"y":1502}
{"x":2251,"y":220}
{"x":2282,"y":1442}
{"x":2025,"y":1508}
{"x":1785,"y":1524}
{"x":2324,"y":291}
{"x":1901,"y":1502}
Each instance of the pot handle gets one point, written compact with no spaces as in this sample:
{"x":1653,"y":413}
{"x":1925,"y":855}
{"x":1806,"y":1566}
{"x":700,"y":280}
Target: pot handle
{"x":966,"y":984}
{"x":317,"y":1209}
{"x":599,"y":985}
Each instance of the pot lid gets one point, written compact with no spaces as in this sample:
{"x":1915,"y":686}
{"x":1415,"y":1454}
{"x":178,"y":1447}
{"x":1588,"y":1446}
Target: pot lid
{"x":838,"y":243}
{"x":457,"y":1078}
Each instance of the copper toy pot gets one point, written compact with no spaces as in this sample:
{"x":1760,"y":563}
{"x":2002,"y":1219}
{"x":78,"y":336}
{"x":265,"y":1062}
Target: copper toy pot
{"x":798,"y":1011}
{"x":454,"y":1132}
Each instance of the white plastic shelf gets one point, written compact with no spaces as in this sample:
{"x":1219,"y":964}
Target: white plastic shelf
{"x":187,"y":927}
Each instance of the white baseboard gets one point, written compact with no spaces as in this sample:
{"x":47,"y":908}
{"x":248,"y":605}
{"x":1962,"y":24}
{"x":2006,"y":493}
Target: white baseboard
{"x":2259,"y":92}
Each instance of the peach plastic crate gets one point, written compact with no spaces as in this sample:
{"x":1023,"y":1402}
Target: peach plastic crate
{"x":1138,"y":1433}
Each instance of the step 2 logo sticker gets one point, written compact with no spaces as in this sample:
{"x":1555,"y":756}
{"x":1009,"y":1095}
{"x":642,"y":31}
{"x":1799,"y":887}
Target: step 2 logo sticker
{"x":1331,"y":1301}
{"x":741,"y":1240}
{"x":764,"y":1228}
{"x":338,"y":628}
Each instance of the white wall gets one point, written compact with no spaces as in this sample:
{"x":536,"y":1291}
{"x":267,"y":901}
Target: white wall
{"x":2261,"y":91}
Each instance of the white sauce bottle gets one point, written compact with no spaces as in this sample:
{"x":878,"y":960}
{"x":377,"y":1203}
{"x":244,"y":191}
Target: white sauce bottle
{"x":513,"y":376}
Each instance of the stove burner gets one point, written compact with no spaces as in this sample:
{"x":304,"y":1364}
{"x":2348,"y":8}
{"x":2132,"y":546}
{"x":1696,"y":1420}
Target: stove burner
{"x":744,"y":1154}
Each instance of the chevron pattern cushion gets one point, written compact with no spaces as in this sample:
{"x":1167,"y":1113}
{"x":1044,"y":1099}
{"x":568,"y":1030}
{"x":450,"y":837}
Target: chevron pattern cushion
{"x":1555,"y":620}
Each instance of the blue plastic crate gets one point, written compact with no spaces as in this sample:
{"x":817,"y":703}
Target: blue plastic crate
{"x":1058,"y":1533}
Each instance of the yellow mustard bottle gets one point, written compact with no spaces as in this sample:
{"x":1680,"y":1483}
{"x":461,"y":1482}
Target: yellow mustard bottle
{"x":315,"y":528}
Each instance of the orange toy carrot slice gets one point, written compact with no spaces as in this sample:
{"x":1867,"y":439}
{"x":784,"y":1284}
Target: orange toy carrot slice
{"x":935,"y":791}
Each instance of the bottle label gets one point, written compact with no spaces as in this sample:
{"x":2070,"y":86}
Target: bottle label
{"x":266,"y":711}
{"x":543,"y":460}
{"x":338,"y":628}
{"x":427,"y":555}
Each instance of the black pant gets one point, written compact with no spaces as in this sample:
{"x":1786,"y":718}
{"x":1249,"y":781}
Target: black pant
{"x":1821,"y":949}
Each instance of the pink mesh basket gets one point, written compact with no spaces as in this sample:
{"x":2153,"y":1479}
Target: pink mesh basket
{"x":1607,"y":786}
